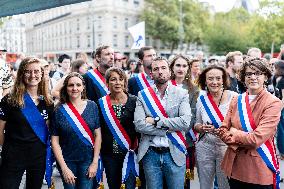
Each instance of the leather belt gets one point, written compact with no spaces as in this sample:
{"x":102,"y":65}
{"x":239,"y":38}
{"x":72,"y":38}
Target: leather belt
{"x":160,"y":150}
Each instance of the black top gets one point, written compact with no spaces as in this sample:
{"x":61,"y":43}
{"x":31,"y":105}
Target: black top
{"x":133,"y":87}
{"x":236,"y":85}
{"x":280,"y":86}
{"x":126,"y":119}
{"x":93,"y":92}
{"x":17,"y":128}
{"x":73,"y":148}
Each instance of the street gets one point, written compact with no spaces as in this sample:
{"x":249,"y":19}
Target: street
{"x":194,"y":184}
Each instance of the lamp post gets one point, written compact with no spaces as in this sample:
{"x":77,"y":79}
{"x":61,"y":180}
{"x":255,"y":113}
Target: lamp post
{"x":181,"y":29}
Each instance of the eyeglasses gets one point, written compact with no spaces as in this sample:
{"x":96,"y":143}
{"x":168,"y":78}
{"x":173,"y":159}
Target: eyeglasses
{"x":257,"y":74}
{"x":28,"y":73}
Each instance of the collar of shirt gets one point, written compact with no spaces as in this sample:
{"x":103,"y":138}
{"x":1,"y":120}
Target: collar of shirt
{"x":159,"y":94}
{"x":149,"y":79}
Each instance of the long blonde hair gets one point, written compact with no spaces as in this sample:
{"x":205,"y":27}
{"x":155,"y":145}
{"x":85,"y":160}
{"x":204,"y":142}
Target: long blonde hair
{"x":16,"y":98}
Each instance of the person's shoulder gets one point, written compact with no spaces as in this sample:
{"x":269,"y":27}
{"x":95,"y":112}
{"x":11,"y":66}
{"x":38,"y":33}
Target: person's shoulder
{"x":92,"y":103}
{"x":132,"y":97}
{"x":132,"y":80}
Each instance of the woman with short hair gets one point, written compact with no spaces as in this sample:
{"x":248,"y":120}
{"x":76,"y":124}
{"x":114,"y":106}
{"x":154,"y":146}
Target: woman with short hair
{"x":249,"y":130}
{"x":119,"y":138}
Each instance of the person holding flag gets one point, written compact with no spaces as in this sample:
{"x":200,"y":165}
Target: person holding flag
{"x":250,"y":161}
{"x":76,"y":135}
{"x":119,"y":138}
{"x":212,"y":106}
{"x":24,"y":116}
{"x":180,"y":68}
{"x":162,"y":116}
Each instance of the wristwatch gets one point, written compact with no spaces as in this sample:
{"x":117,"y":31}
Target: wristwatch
{"x":156,"y":120}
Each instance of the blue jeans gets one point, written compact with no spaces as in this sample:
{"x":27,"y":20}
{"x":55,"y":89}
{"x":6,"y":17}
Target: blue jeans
{"x":79,"y":169}
{"x":159,"y":165}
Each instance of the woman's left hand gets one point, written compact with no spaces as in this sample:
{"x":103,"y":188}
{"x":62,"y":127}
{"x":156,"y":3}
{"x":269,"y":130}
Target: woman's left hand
{"x":92,"y":170}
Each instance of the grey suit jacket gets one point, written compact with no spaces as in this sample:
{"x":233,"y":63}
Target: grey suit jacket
{"x":179,"y":113}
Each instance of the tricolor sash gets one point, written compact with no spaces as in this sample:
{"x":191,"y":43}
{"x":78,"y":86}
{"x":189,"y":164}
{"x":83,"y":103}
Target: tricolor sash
{"x":157,"y":110}
{"x":142,"y":81}
{"x":130,"y":163}
{"x":38,"y":125}
{"x":82,"y":130}
{"x":99,"y":81}
{"x":212,"y":110}
{"x":191,"y":133}
{"x":267,"y":149}
{"x":77,"y":123}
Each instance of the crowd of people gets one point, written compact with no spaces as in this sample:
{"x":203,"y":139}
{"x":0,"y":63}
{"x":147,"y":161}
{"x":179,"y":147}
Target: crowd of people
{"x":145,"y":123}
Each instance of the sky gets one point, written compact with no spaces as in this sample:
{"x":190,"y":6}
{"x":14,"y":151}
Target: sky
{"x":225,"y":5}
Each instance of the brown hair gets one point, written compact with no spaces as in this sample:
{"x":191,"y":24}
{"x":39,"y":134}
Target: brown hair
{"x":188,"y":74}
{"x":230,"y":57}
{"x":17,"y":94}
{"x":76,"y":64}
{"x":64,"y":98}
{"x":120,"y":72}
{"x":141,"y":51}
{"x":252,"y":62}
{"x":201,"y":81}
{"x":98,"y":52}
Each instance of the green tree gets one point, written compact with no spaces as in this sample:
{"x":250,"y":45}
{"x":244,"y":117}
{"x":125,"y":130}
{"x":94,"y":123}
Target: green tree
{"x":228,"y":32}
{"x":162,"y":20}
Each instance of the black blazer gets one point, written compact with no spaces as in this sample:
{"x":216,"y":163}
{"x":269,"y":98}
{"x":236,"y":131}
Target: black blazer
{"x":133,"y":87}
{"x":93,"y":92}
{"x":126,"y":121}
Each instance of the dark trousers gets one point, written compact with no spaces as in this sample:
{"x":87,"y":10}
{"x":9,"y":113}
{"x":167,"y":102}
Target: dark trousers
{"x":18,"y":158}
{"x":113,"y":168}
{"x":236,"y":184}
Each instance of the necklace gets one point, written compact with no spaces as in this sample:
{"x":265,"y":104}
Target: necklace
{"x":221,"y":98}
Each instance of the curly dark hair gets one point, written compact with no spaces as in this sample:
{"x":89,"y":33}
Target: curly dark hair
{"x":253,"y":63}
{"x":64,"y":98}
{"x":201,"y":81}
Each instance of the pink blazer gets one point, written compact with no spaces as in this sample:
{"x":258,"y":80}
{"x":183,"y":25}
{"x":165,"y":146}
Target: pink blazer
{"x":242,"y":161}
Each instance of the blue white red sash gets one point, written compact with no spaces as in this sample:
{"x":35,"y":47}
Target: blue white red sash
{"x":212,"y":110}
{"x":157,"y":110}
{"x":191,"y":133}
{"x":130,"y":163}
{"x":267,"y":149}
{"x":99,"y":81}
{"x":38,"y":125}
{"x":142,"y":81}
{"x":77,"y":123}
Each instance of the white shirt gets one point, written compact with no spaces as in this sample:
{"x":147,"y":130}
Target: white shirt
{"x":159,"y":141}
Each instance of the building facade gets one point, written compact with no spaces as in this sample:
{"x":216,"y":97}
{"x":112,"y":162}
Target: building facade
{"x":82,"y":27}
{"x":12,"y":35}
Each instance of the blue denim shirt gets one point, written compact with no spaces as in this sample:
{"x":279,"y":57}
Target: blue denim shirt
{"x":73,"y":149}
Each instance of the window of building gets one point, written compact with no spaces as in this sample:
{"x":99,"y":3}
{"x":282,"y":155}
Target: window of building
{"x":88,"y":41}
{"x":126,"y":23}
{"x":78,"y":24}
{"x":126,"y":41}
{"x":99,"y":22}
{"x":70,"y":42}
{"x":70,"y":27}
{"x":114,"y":22}
{"x":136,"y":2}
{"x":114,"y":40}
{"x":99,"y":39}
{"x":78,"y":41}
{"x":88,"y":23}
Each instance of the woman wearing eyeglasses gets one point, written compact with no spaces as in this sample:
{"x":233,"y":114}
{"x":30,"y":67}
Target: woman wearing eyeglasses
{"x":249,"y":129}
{"x":211,"y":107}
{"x":24,"y":115}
